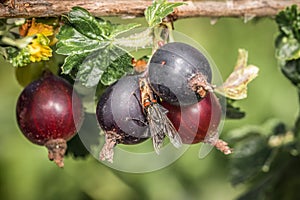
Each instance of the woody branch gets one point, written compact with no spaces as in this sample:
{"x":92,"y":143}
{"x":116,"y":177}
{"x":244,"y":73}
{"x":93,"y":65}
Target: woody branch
{"x":206,"y":8}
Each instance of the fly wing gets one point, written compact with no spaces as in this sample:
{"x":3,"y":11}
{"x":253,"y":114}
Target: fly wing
{"x":157,"y":138}
{"x":172,"y":133}
{"x":156,"y":127}
{"x":168,"y":127}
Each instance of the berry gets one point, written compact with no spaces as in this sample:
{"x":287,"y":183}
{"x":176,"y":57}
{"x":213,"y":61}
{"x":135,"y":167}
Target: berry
{"x":120,"y":115}
{"x":180,"y":74}
{"x":198,"y":122}
{"x":194,"y":121}
{"x":46,"y":116}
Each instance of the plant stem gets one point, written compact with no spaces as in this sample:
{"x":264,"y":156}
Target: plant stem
{"x":208,"y":8}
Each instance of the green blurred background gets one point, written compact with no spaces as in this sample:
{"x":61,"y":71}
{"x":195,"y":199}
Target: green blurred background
{"x":26,"y":172}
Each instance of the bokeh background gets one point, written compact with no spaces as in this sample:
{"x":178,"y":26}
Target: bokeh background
{"x":26,"y":172}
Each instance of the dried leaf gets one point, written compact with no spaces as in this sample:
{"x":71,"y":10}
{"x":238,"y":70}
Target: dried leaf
{"x":235,"y":86}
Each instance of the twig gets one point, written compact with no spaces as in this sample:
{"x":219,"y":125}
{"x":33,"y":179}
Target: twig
{"x":207,"y":8}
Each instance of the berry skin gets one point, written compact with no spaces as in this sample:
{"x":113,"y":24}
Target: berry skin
{"x":198,"y":122}
{"x":194,"y":122}
{"x":121,"y":116}
{"x":180,"y":74}
{"x":48,"y":113}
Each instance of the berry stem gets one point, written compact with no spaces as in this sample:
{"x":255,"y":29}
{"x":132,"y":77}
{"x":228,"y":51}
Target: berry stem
{"x":56,"y":150}
{"x":213,"y":139}
{"x":107,"y":151}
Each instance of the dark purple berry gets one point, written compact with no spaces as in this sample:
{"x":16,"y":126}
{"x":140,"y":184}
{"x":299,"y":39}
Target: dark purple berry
{"x":120,"y":115}
{"x":180,"y":74}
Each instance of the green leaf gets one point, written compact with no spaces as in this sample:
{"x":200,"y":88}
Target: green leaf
{"x":256,"y":148}
{"x":155,"y":13}
{"x":91,"y":50}
{"x":122,"y":28}
{"x":288,"y":43}
{"x":88,"y":25}
{"x":72,"y":61}
{"x":92,"y":68}
{"x":141,"y":38}
{"x":288,"y":49}
{"x":291,"y":69}
{"x":249,"y":158}
{"x":96,"y":28}
{"x":289,"y":22}
{"x":107,"y":64}
{"x":120,"y":66}
{"x":233,"y":112}
{"x":72,"y":42}
{"x":259,"y":191}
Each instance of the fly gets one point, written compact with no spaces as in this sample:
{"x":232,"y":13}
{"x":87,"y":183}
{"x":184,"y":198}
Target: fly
{"x":159,"y":123}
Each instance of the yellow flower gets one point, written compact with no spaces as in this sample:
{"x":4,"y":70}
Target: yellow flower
{"x":39,"y":49}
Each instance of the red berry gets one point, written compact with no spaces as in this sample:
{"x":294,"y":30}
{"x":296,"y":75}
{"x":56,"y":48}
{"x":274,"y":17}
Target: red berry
{"x":194,"y":122}
{"x":46,"y":116}
{"x":199,"y":122}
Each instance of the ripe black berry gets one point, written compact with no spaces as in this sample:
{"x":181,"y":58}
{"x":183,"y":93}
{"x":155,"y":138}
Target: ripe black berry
{"x":48,"y":114}
{"x":180,"y":74}
{"x":120,"y":115}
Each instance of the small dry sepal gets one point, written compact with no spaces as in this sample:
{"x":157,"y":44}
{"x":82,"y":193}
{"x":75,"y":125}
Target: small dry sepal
{"x":56,"y":150}
{"x":107,"y":151}
{"x":213,"y":139}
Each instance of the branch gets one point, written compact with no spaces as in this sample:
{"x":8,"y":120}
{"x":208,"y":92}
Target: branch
{"x":207,"y":8}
